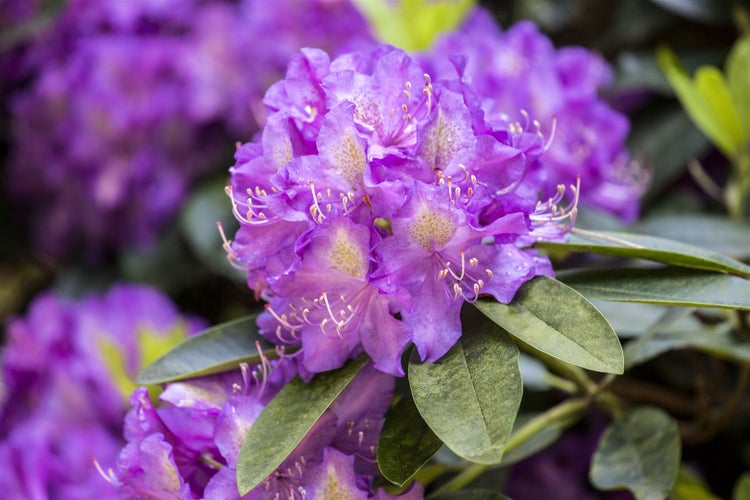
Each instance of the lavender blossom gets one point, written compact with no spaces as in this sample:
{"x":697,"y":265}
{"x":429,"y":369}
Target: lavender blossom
{"x":61,"y":406}
{"x":130,"y":102}
{"x":376,"y":202}
{"x":519,"y":76}
{"x":188,"y":446}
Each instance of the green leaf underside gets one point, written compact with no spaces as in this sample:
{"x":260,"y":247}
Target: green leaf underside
{"x":641,"y":452}
{"x":668,"y":286}
{"x":286,"y":420}
{"x":406,"y":442}
{"x":470,"y":397}
{"x":650,"y":248}
{"x":558,"y":321}
{"x":469,"y":495}
{"x":217,"y":349}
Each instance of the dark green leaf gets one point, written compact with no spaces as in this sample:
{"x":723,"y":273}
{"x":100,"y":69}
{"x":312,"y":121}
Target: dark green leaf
{"x":708,"y":231}
{"x":640,"y":452}
{"x":639,"y":246}
{"x":666,"y":139}
{"x":469,"y":495}
{"x":558,"y":321}
{"x":470,"y":396}
{"x":219,"y":348}
{"x":668,"y":286}
{"x":406,"y":442}
{"x":286,"y":420}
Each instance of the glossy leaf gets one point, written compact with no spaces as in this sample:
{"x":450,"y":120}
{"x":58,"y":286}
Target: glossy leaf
{"x":286,"y":420}
{"x":217,"y":349}
{"x":406,"y":442}
{"x":558,"y":321}
{"x":469,"y":495}
{"x":640,"y":452}
{"x":668,"y":286}
{"x":708,"y":231}
{"x":470,"y":396}
{"x":639,"y":246}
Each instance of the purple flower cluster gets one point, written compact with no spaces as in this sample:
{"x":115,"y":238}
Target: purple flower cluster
{"x":188,"y":447}
{"x":377,"y":202}
{"x":60,"y":408}
{"x":129,"y":102}
{"x":519,"y":75}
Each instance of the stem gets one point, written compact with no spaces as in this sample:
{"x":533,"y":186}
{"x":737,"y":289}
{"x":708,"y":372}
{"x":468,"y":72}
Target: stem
{"x":705,"y":181}
{"x":571,"y":372}
{"x":568,"y":409}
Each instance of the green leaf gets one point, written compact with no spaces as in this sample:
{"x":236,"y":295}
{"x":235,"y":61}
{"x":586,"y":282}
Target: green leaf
{"x":217,"y":349}
{"x":738,"y":79}
{"x":708,"y":11}
{"x":413,"y":24}
{"x":286,"y":420}
{"x":666,"y":139}
{"x":470,"y":396}
{"x":639,"y":246}
{"x":558,"y":321}
{"x":716,"y":340}
{"x":406,"y":442}
{"x":695,"y":103}
{"x":640,"y":452}
{"x":741,"y":489}
{"x":689,"y":486}
{"x":711,"y":83}
{"x":708,"y":231}
{"x":469,"y":495}
{"x":630,"y":319}
{"x":205,"y":207}
{"x":668,"y":286}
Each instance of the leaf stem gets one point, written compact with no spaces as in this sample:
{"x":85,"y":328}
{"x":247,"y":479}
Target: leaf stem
{"x":571,"y":372}
{"x":568,"y":409}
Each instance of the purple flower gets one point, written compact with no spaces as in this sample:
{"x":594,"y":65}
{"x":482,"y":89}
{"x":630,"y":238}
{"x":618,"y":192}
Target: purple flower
{"x":128,"y":103}
{"x":189,"y":445}
{"x":376,"y":202}
{"x":61,"y":408}
{"x":519,"y":76}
